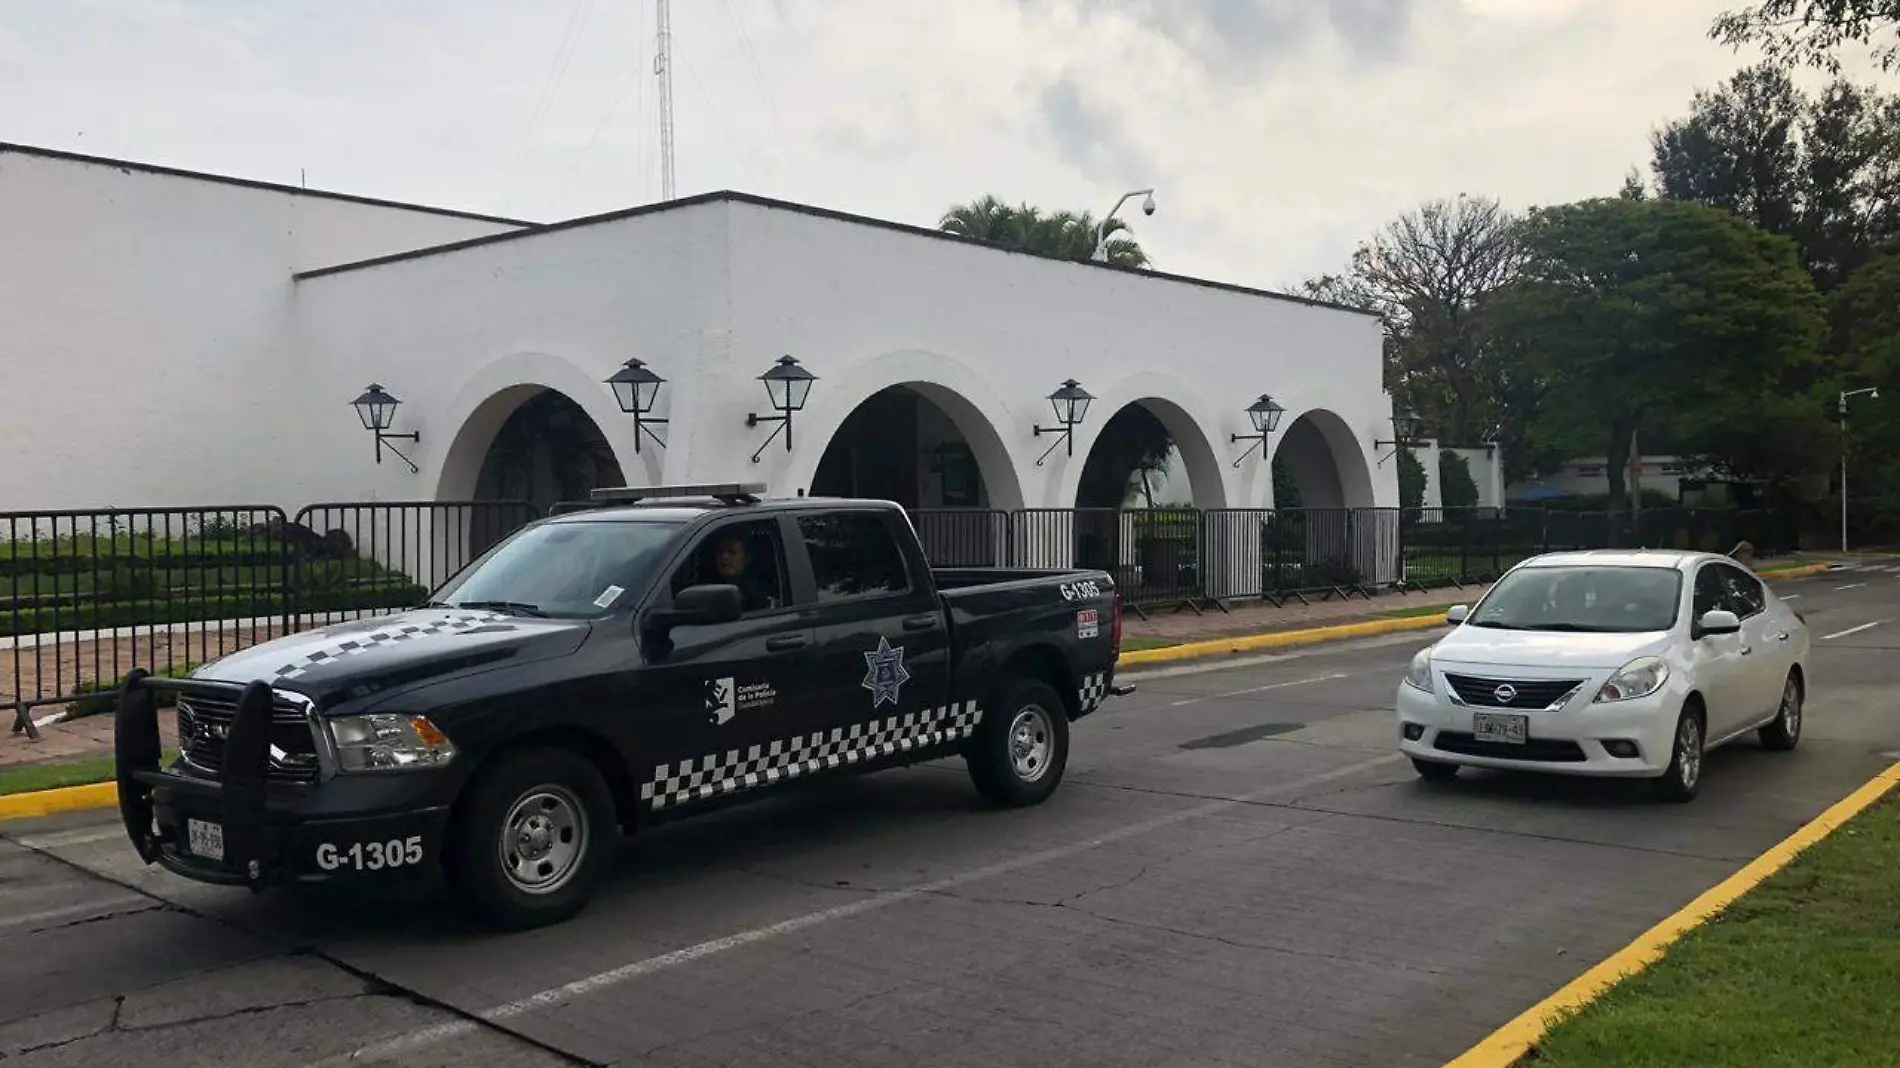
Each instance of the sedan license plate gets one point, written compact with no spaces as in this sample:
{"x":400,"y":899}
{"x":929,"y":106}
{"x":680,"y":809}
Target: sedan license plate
{"x":204,"y":839}
{"x":1500,"y":727}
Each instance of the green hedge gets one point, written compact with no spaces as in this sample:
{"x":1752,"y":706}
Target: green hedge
{"x":103,"y":615}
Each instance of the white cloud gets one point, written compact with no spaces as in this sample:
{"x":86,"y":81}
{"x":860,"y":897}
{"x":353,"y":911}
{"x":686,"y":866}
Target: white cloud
{"x":1278,"y":132}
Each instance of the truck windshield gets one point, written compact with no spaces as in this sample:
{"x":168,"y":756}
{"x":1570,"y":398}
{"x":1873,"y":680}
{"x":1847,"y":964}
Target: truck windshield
{"x":1601,"y":599}
{"x":565,"y":570}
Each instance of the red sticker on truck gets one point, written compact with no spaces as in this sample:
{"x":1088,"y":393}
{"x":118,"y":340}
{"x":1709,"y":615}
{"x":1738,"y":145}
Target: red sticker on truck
{"x":1088,"y":623}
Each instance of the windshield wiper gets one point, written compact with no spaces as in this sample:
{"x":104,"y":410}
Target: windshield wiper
{"x":516,"y":607}
{"x":1493,"y":624}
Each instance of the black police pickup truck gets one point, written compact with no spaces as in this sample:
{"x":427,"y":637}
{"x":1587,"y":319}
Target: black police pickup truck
{"x":658,"y":653}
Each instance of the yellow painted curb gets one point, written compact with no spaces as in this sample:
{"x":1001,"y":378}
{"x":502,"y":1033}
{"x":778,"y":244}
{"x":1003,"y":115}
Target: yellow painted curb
{"x":1243,"y":643}
{"x":65,"y":799}
{"x":1508,"y":1045}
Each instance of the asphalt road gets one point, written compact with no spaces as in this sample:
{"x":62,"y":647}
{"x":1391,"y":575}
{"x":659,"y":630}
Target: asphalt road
{"x":1238,"y":871}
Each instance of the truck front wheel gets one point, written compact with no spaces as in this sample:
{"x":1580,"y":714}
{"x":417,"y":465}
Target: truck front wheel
{"x":531,"y":837}
{"x":1022,"y":746}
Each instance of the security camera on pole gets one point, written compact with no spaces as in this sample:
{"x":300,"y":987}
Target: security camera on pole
{"x":1101,"y":239}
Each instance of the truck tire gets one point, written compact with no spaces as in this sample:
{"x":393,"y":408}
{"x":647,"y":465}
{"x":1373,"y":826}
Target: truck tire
{"x":531,"y":836}
{"x":1020,"y":750}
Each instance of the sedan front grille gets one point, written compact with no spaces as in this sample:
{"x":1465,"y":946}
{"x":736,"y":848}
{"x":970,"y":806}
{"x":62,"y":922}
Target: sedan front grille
{"x":203,"y":722}
{"x":1510,"y":693}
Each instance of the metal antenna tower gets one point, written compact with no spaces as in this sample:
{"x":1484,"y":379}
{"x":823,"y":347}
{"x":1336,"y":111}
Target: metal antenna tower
{"x":663,"y":67}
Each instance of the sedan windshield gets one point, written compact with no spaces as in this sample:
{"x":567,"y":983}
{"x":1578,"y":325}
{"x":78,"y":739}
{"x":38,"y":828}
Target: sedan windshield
{"x":570,"y":570}
{"x":1583,"y":598}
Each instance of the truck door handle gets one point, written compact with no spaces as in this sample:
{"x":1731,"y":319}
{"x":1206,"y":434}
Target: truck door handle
{"x":784,"y":642}
{"x":920,"y":623}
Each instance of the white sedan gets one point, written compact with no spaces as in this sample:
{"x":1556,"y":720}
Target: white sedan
{"x":1617,"y":663}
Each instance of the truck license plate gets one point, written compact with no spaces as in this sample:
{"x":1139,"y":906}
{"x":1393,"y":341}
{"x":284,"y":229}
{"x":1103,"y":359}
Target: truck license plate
{"x":1500,"y":727}
{"x":204,"y":839}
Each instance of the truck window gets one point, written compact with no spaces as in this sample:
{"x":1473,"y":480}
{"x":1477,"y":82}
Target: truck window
{"x":747,"y":555}
{"x":853,"y":554}
{"x":566,"y":570}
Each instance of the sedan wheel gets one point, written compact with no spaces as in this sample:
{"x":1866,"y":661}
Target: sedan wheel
{"x":1683,"y":778}
{"x":1785,"y":732}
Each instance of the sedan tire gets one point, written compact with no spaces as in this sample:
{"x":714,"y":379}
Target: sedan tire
{"x":1682,"y":780}
{"x":1785,"y":732}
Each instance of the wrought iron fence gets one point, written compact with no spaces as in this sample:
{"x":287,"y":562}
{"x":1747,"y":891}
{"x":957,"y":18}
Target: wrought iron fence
{"x":87,"y":595}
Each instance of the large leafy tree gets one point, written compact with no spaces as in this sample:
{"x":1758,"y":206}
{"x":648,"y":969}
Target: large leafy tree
{"x":1651,"y":314}
{"x":1869,"y":303}
{"x":1067,"y":235}
{"x":1824,"y":170}
{"x":1811,"y":32}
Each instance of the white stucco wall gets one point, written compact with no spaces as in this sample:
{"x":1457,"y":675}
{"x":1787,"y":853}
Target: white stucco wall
{"x":865,"y":307}
{"x":146,"y":356}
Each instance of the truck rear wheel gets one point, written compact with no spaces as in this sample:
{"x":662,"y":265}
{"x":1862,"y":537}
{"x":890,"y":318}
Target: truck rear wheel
{"x":531,"y":837}
{"x":1022,"y":747}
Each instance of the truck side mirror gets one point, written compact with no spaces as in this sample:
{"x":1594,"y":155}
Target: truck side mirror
{"x":699,"y":606}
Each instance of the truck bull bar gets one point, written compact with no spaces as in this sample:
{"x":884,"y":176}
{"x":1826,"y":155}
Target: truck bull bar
{"x":239,"y":791}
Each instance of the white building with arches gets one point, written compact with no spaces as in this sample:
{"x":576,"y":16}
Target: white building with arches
{"x":177,"y":338}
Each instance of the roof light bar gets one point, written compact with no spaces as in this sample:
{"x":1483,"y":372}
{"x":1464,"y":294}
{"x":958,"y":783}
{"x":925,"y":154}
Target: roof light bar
{"x":729,"y":492}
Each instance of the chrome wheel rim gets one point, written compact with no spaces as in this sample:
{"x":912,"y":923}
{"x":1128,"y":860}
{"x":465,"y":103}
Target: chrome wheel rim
{"x":1791,"y":708}
{"x":543,"y":839}
{"x":1031,"y":741}
{"x":1689,"y":751}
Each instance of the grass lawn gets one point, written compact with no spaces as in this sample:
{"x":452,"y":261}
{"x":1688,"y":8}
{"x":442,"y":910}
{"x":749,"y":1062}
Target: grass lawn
{"x":1800,"y":973}
{"x":1416,"y":610}
{"x":33,"y":777}
{"x":1130,"y":643}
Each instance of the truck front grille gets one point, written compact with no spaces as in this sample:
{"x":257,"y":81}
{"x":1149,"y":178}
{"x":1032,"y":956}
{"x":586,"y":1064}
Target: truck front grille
{"x":203,"y":722}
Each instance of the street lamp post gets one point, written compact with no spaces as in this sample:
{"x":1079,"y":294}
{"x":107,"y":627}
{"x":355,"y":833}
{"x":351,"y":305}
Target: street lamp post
{"x":1873,"y":393}
{"x":1100,"y":255}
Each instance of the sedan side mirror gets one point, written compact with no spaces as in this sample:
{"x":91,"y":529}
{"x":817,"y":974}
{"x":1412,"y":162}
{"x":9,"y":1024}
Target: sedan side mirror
{"x":699,"y":606}
{"x":1457,"y":614}
{"x":1718,"y":621}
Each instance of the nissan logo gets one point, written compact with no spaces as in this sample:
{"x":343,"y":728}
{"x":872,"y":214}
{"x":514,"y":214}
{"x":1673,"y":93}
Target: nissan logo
{"x":1504,"y":693}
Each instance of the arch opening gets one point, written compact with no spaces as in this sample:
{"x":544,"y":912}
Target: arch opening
{"x":1150,"y":454}
{"x":546,"y":449}
{"x":932,"y":451}
{"x":1318,"y":464}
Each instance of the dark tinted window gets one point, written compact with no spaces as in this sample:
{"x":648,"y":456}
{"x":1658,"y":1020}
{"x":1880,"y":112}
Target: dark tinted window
{"x":1710,"y":593}
{"x":1744,"y":592}
{"x":853,"y":554}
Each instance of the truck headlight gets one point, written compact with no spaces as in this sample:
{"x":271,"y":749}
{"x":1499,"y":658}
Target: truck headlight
{"x":1638,"y":678}
{"x":1419,"y":675}
{"x":389,"y":741}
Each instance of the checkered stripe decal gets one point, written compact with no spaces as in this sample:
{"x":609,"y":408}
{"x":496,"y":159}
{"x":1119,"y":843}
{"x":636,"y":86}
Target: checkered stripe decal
{"x":786,"y":759}
{"x":1093,"y":690}
{"x":376,"y":639}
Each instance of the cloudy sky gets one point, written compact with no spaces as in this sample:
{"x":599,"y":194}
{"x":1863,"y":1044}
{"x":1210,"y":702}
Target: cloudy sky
{"x":1277,"y":132}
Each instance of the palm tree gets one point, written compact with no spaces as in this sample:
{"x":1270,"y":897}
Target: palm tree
{"x":1065,"y":235}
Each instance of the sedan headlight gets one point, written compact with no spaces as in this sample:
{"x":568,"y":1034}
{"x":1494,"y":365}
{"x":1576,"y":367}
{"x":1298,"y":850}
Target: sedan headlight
{"x":1419,"y":675}
{"x":1638,"y":678}
{"x":389,"y":741}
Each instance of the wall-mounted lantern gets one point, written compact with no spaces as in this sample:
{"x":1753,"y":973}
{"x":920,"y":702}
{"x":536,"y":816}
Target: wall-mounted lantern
{"x":1405,"y":429}
{"x":636,"y":388}
{"x":787,"y":384}
{"x":377,"y":409}
{"x":1071,"y":403}
{"x":1264,"y":414}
